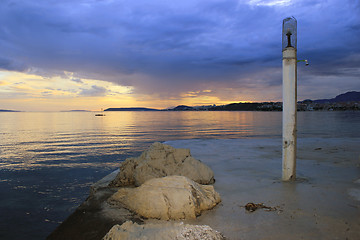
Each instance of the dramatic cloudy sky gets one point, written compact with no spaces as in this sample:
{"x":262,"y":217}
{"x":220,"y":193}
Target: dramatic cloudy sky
{"x":92,"y":54}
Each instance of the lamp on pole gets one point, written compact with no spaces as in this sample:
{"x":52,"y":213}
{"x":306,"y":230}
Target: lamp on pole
{"x":289,"y":75}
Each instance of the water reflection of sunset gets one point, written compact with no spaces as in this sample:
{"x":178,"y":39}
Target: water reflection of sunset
{"x":65,"y":139}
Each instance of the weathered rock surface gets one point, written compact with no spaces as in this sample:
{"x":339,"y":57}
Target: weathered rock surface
{"x":172,"y":197}
{"x":162,"y":160}
{"x":173,"y":231}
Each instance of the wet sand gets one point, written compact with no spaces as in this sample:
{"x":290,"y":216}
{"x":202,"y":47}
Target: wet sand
{"x":323,"y":203}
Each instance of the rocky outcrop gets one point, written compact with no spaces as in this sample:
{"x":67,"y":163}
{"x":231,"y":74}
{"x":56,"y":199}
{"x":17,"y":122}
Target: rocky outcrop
{"x":172,"y":197}
{"x":176,"y":231}
{"x":162,"y":160}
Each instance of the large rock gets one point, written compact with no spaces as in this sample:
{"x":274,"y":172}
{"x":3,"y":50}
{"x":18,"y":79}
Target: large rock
{"x":162,"y":160}
{"x":168,"y":231}
{"x":172,"y":197}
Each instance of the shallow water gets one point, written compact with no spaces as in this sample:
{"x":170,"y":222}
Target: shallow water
{"x":321,"y":204}
{"x":49,"y":160}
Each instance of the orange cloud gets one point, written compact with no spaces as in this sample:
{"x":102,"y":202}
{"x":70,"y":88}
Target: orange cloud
{"x":3,"y":83}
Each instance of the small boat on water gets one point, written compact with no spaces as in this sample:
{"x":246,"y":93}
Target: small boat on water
{"x":100,"y":114}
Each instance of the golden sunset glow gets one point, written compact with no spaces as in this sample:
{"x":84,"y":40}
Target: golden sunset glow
{"x":30,"y":92}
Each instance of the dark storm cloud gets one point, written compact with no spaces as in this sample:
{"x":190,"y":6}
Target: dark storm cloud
{"x":177,"y":45}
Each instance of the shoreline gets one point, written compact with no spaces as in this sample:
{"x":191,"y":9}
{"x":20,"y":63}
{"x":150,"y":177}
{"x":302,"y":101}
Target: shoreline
{"x":323,"y":203}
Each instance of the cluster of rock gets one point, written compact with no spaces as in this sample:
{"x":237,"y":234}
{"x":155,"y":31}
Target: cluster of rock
{"x":172,"y":197}
{"x":175,"y":231}
{"x":162,"y":160}
{"x":167,"y":184}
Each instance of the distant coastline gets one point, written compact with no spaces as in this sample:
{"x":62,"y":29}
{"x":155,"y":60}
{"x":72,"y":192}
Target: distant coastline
{"x":349,"y":101}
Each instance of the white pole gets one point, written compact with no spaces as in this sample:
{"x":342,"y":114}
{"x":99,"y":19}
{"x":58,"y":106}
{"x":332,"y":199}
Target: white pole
{"x":289,"y":114}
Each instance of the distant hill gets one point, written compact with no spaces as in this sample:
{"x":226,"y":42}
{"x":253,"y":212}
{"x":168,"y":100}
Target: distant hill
{"x":237,"y":107}
{"x":182,"y":108}
{"x":131,"y":109}
{"x":4,"y":110}
{"x":352,"y":96}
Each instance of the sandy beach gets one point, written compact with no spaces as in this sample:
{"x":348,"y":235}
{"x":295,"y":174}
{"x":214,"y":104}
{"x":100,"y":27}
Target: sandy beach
{"x":323,"y":203}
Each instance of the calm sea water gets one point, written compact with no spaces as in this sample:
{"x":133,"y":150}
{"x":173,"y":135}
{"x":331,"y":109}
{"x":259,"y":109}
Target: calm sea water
{"x":49,"y":160}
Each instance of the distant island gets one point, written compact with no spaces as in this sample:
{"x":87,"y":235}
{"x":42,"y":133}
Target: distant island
{"x":131,"y":109}
{"x":4,"y":110}
{"x":342,"y":102}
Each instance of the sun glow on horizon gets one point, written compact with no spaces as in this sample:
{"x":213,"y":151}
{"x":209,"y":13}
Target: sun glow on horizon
{"x":31,"y":92}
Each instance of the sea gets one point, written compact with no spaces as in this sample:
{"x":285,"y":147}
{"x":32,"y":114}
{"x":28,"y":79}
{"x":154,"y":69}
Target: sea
{"x":48,"y":160}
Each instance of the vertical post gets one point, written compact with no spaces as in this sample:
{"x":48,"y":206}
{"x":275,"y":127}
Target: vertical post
{"x":289,"y":65}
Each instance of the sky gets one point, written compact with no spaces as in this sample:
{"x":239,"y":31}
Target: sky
{"x":93,"y":54}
